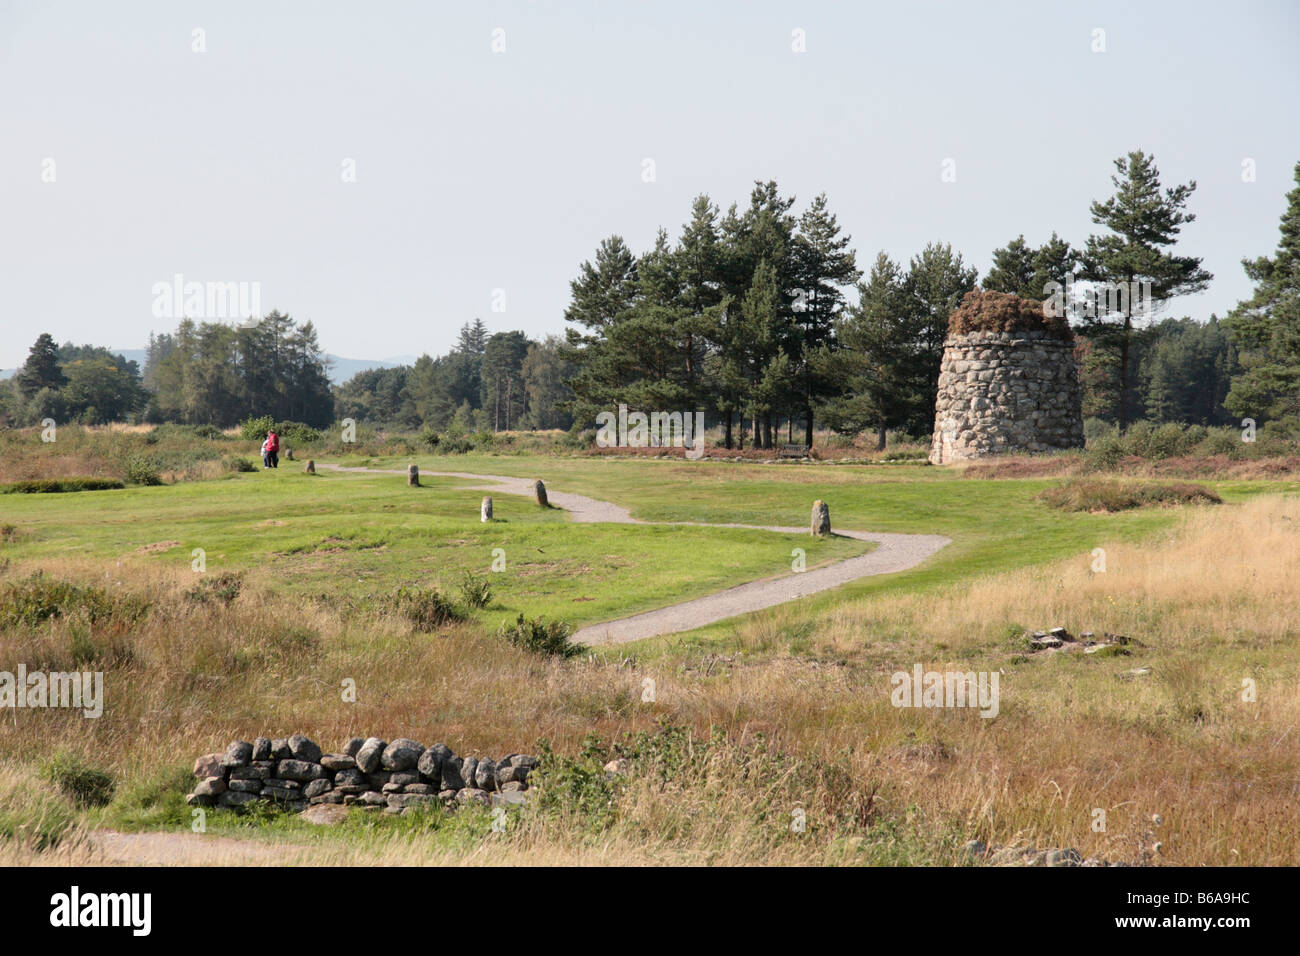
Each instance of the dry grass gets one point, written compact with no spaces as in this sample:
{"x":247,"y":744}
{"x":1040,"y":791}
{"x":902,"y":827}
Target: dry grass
{"x":802,"y":704}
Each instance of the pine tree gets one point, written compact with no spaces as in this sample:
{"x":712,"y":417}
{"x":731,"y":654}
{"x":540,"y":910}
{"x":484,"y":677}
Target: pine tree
{"x":1144,"y":225}
{"x":1013,"y":270}
{"x":41,"y":370}
{"x":1266,"y":327}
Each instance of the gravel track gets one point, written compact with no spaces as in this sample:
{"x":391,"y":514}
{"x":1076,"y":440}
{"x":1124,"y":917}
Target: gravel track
{"x":893,"y":552}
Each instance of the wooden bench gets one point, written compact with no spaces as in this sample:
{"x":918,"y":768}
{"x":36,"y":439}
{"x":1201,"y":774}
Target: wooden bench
{"x":795,"y":451}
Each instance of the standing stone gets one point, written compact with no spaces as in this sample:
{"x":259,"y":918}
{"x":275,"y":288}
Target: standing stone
{"x":539,"y":493}
{"x":485,"y":510}
{"x":311,"y":466}
{"x":821,"y":518}
{"x":413,"y":476}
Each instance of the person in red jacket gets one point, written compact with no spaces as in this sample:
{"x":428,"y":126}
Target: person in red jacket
{"x":272,"y":446}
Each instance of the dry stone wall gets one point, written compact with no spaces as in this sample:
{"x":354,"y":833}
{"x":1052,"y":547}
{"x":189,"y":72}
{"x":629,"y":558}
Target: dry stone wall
{"x":370,"y":773}
{"x":1006,"y":391}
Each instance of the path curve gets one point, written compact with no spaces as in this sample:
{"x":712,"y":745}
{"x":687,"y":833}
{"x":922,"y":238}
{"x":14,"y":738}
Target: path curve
{"x":894,"y":552}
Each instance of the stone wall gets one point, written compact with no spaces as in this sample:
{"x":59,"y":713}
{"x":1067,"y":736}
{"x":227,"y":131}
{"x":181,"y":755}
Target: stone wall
{"x":369,"y":773}
{"x":1006,"y":391}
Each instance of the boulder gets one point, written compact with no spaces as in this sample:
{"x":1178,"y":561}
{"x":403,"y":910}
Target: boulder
{"x":485,"y":510}
{"x":280,"y":749}
{"x":300,"y":770}
{"x":337,"y":762}
{"x":370,"y":754}
{"x":210,"y":787}
{"x":317,"y":787}
{"x":473,"y":795}
{"x":261,"y":749}
{"x":303,"y":748}
{"x":451,"y":778}
{"x":238,"y":754}
{"x":209,"y":765}
{"x":485,"y":775}
{"x":353,"y":745}
{"x":402,"y":754}
{"x":324,"y":815}
{"x":245,"y":786}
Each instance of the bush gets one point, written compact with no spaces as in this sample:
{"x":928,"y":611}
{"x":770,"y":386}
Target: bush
{"x":425,"y":608}
{"x":475,"y":590}
{"x":142,"y":471}
{"x":1094,"y":495}
{"x":541,"y":637}
{"x":219,"y":587}
{"x":57,"y":485}
{"x":237,"y":463}
{"x":86,"y":785}
{"x":291,"y":433}
{"x":31,"y":811}
{"x":255,"y":429}
{"x":36,"y":599}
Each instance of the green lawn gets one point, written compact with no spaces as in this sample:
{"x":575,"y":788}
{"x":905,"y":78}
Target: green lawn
{"x":364,"y":535}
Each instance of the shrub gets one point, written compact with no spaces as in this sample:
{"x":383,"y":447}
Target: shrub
{"x":142,"y":471}
{"x":238,"y":463}
{"x":1095,"y":495}
{"x":208,"y":431}
{"x":425,"y":608}
{"x":85,"y":784}
{"x":255,"y":429}
{"x":219,"y":587}
{"x":982,"y":311}
{"x":541,"y":636}
{"x":36,"y":599}
{"x":57,"y":485}
{"x":475,"y":590}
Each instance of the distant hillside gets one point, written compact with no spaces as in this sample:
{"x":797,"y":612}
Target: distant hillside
{"x":341,"y":369}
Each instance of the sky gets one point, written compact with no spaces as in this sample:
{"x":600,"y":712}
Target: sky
{"x":391,"y":171}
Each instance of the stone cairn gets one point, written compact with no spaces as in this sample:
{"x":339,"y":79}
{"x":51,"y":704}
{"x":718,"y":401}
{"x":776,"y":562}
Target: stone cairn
{"x":1008,"y":381}
{"x":821,"y":519}
{"x":413,"y":476}
{"x":539,"y":494}
{"x":485,"y":510}
{"x":370,"y":774}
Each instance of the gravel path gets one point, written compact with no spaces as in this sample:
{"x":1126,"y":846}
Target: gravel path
{"x":893,"y":552}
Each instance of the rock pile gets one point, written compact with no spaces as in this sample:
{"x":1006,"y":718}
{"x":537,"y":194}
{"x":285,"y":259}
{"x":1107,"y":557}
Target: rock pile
{"x":1059,"y":639}
{"x":370,"y":773}
{"x":1008,"y":382}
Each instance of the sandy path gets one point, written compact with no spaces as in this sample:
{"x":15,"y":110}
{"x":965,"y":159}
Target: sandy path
{"x":893,"y":552}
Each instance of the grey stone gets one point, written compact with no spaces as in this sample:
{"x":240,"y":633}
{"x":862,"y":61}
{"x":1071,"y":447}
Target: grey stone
{"x":300,"y":770}
{"x":281,"y":793}
{"x":336,"y":762}
{"x":280,"y":749}
{"x":451,"y":778}
{"x":413,"y":476}
{"x":539,"y":494}
{"x":316,"y":788}
{"x":373,"y":798}
{"x":1066,"y":857}
{"x":201,"y":800}
{"x":346,"y":778}
{"x":485,"y":509}
{"x":283,"y":784}
{"x":485,"y":775}
{"x":511,"y":774}
{"x":353,"y":746}
{"x":238,"y":754}
{"x":513,"y":786}
{"x":261,"y":749}
{"x":324,"y":814}
{"x":468,"y":769}
{"x":249,"y":773}
{"x":235,"y":798}
{"x":244,"y":786}
{"x":210,"y":786}
{"x":402,"y":754}
{"x":370,"y":754}
{"x":424,"y":788}
{"x":475,"y":796}
{"x":304,"y":749}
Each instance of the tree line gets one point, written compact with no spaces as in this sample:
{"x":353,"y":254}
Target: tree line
{"x":746,"y":315}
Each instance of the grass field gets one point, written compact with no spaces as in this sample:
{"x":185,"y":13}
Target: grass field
{"x":753,"y":718}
